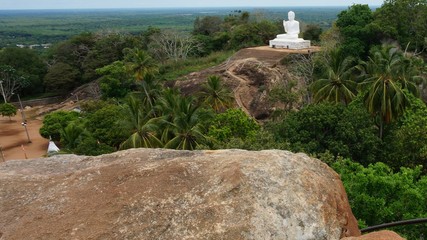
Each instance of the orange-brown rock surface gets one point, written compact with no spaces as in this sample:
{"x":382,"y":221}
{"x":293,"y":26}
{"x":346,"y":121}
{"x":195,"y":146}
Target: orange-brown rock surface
{"x":251,"y":74}
{"x":381,"y":235}
{"x":166,"y":194}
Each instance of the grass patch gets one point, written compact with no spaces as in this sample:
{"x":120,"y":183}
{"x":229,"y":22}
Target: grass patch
{"x":173,"y":70}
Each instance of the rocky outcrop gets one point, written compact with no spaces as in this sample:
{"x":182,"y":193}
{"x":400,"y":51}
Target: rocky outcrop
{"x":166,"y":194}
{"x":251,"y":74}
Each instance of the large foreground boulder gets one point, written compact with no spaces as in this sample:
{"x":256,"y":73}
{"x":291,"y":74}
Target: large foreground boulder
{"x":165,"y":194}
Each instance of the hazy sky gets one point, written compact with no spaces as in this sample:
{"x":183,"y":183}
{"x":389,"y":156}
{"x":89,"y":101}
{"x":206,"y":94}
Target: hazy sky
{"x":74,"y":4}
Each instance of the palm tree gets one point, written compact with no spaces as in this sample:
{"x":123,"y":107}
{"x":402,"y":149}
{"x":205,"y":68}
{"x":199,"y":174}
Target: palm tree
{"x":384,"y":80}
{"x":338,"y":86}
{"x":72,"y":134}
{"x":152,"y":91}
{"x":410,"y":76}
{"x":139,"y":63}
{"x":167,"y":106}
{"x":143,"y":125}
{"x":142,"y":66}
{"x":186,"y":126}
{"x":217,"y":96}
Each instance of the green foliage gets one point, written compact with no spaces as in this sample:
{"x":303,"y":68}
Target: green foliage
{"x":115,"y":81}
{"x":72,"y":134}
{"x":12,"y":81}
{"x":377,"y":195}
{"x":208,"y":25}
{"x":89,"y":146}
{"x":7,"y":110}
{"x":233,"y":123}
{"x":286,"y":94}
{"x":107,"y":49}
{"x":215,"y":95}
{"x":237,"y":30}
{"x":261,"y":140}
{"x":140,"y":122}
{"x":27,"y":63}
{"x":139,"y":63}
{"x":338,"y":86}
{"x":74,"y":62}
{"x":312,"y":32}
{"x":172,"y":70}
{"x":104,"y":124}
{"x":185,"y":125}
{"x":344,"y":131}
{"x":354,"y":26}
{"x":384,"y":82}
{"x":142,"y":66}
{"x":406,"y":139}
{"x":404,"y":21}
{"x":252,"y":34}
{"x":54,"y":122}
{"x":61,"y":77}
{"x":90,"y":106}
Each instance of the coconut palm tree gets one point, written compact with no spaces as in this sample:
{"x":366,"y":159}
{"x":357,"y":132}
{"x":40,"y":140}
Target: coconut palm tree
{"x":410,"y":76}
{"x":167,"y":106}
{"x":215,"y":95}
{"x":186,"y":126}
{"x":152,"y":91}
{"x":338,"y":86}
{"x":143,"y":125}
{"x":72,"y":134}
{"x":142,"y":66}
{"x":384,"y":78}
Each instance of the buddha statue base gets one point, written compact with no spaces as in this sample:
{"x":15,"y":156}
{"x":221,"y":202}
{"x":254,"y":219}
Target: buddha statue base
{"x":288,"y":43}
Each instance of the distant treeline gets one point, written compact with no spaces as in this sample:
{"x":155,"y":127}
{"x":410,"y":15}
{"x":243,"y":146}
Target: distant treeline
{"x":51,"y":26}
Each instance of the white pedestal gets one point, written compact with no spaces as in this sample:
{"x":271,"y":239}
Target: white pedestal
{"x":298,"y":43}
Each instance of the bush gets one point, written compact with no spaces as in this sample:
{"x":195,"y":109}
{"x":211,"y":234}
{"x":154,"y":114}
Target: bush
{"x":233,"y":123}
{"x":7,"y":110}
{"x":343,"y":131}
{"x":104,"y":127}
{"x":54,"y":122}
{"x":91,"y":147}
{"x":260,"y":141}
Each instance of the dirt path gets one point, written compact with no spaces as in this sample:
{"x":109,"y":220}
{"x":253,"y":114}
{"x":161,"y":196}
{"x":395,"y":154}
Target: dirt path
{"x":241,"y":88}
{"x":14,"y":141}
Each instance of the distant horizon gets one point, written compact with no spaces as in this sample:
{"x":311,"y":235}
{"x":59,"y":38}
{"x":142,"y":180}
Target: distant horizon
{"x":172,"y":8}
{"x":171,"y":4}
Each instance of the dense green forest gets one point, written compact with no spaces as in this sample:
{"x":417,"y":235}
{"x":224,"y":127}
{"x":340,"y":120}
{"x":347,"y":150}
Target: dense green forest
{"x":362,"y":111}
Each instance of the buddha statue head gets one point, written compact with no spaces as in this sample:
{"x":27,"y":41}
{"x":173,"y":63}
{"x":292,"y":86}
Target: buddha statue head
{"x":291,"y":16}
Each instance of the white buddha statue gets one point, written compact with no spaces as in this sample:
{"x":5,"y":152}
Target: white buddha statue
{"x":291,"y":27}
{"x":290,"y":39}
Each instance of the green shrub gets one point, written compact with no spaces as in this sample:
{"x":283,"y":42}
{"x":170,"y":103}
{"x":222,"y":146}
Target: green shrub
{"x":91,"y":147}
{"x":343,"y":131}
{"x":233,"y":123}
{"x":104,"y":127}
{"x":54,"y":122}
{"x":7,"y":110}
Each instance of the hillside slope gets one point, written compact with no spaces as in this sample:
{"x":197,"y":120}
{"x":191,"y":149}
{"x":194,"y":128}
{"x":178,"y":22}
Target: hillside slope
{"x":251,"y":73}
